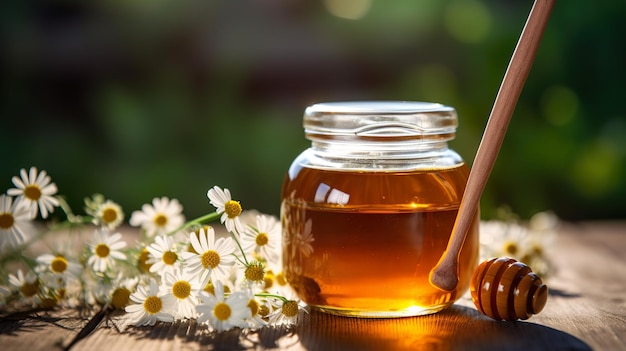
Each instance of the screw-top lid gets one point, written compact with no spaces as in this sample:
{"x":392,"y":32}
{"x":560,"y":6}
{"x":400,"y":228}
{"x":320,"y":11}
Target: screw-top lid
{"x":380,"y":121}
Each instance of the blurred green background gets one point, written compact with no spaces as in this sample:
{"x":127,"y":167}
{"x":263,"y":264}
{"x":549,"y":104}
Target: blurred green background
{"x":142,"y":98}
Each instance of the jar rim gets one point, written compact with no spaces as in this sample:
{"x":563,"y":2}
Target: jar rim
{"x":380,"y":120}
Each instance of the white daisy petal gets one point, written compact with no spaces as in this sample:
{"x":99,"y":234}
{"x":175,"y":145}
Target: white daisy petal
{"x":162,"y":217}
{"x":36,"y":190}
{"x":14,"y":220}
{"x":209,"y":261}
{"x":105,"y":250}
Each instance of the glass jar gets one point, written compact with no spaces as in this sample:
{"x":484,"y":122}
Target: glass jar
{"x":368,"y":209}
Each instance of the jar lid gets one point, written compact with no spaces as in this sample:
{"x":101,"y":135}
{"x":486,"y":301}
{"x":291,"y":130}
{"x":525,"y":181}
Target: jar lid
{"x":380,"y":121}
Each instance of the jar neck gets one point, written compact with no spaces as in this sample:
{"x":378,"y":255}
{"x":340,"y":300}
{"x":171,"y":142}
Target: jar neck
{"x":378,"y":150}
{"x":382,"y":155}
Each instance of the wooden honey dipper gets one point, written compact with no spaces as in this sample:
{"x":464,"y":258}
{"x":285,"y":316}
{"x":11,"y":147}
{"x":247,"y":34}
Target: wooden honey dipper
{"x":445,"y":275}
{"x":505,"y":289}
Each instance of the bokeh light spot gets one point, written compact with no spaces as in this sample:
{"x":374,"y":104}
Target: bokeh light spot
{"x":560,"y":105}
{"x":348,"y":9}
{"x":468,"y":21}
{"x":597,"y":170}
{"x":434,"y":82}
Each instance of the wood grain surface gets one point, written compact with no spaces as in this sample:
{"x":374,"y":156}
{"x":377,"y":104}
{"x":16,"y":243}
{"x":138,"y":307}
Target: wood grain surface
{"x":586,"y":310}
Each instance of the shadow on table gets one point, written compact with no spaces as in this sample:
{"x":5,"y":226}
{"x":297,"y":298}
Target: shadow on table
{"x":17,"y":323}
{"x":456,"y":328}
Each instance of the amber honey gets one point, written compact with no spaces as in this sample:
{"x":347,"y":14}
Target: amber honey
{"x":362,"y":243}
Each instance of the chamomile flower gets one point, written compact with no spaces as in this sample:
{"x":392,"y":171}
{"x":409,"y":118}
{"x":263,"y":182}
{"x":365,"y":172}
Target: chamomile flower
{"x":287,"y":311}
{"x":223,"y":313}
{"x":500,"y":238}
{"x":212,"y":258}
{"x":263,"y":239}
{"x":48,"y":298}
{"x":59,"y":266}
{"x":542,"y":229}
{"x":148,"y":307}
{"x":227,"y":285}
{"x":273,"y":281}
{"x":162,"y":256}
{"x":105,"y":250}
{"x":229,"y":208}
{"x":162,"y":217}
{"x":98,"y":289}
{"x":14,"y":222}
{"x":26,"y":285}
{"x":181,"y":291}
{"x":36,"y":190}
{"x":259,"y":310}
{"x":142,"y":260}
{"x":120,"y":296}
{"x":525,"y":243}
{"x":109,"y":214}
{"x":254,"y":273}
{"x":115,"y":293}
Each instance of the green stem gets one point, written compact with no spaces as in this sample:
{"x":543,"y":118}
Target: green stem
{"x":65,"y":207}
{"x":203,"y":219}
{"x":284,"y":299}
{"x":29,"y":262}
{"x":243,"y":254}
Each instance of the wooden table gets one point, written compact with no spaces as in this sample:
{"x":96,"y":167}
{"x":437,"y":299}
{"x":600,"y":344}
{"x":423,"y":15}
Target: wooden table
{"x":586,"y":310}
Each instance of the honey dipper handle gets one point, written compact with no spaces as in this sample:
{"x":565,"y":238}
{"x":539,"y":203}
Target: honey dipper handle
{"x":445,"y":274}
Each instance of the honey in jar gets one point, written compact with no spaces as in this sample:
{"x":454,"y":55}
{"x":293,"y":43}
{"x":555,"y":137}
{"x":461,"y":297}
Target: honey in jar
{"x":368,"y":209}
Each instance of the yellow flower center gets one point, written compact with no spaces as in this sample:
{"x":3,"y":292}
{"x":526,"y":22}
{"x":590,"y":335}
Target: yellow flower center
{"x":160,"y":220}
{"x":210,"y":288}
{"x":181,"y":289}
{"x":102,"y":250}
{"x":511,"y":248}
{"x":232,"y":209}
{"x":280,"y":279}
{"x":210,"y":259}
{"x":221,"y":311}
{"x":262,"y":239}
{"x":264,"y":311}
{"x":537,"y":249}
{"x":255,"y":272}
{"x":58,"y":264}
{"x":109,"y":215}
{"x":290,"y":308}
{"x":6,"y":220}
{"x":143,"y":259}
{"x":27,"y":289}
{"x":268,"y":281}
{"x":169,"y":258}
{"x":153,"y":304}
{"x":32,"y":192}
{"x":120,"y":298}
{"x":254,"y":306}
